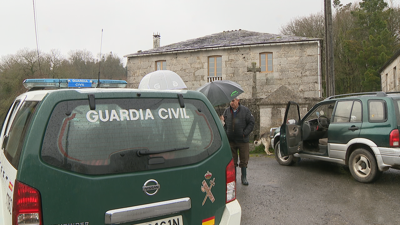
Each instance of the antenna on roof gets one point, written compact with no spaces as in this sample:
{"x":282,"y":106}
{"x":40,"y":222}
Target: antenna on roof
{"x":37,"y":45}
{"x":101,"y":43}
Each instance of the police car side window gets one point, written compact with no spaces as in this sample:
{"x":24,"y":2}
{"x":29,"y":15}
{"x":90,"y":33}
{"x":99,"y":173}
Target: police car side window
{"x":4,"y":119}
{"x":17,"y":132}
{"x":14,"y":108}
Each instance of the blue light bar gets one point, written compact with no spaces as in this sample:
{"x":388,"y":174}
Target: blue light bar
{"x":72,"y":83}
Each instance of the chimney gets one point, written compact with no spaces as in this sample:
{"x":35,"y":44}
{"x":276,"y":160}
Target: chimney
{"x":156,"y":40}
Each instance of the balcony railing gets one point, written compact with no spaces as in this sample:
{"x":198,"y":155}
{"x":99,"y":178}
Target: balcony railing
{"x":211,"y":79}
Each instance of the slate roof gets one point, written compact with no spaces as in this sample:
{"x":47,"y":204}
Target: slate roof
{"x":387,"y":63}
{"x":226,"y":39}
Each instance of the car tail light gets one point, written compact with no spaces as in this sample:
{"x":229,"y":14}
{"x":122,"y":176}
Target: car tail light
{"x":26,"y":205}
{"x":230,"y":182}
{"x":394,"y":138}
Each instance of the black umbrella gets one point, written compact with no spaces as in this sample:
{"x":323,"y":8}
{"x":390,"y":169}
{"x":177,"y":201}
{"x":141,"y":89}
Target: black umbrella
{"x":221,"y":91}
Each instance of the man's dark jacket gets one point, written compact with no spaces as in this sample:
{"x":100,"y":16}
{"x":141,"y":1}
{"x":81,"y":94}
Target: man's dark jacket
{"x":238,"y":128}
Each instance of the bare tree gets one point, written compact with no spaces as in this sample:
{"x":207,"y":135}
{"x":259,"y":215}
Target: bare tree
{"x":25,"y":64}
{"x":310,"y":26}
{"x":348,"y":38}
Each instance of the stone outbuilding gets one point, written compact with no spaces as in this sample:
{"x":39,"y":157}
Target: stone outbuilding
{"x":390,"y":80}
{"x":270,"y":68}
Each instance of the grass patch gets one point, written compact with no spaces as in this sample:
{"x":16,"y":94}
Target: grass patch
{"x":260,"y":150}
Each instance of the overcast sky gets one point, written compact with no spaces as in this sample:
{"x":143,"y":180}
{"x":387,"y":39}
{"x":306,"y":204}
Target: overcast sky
{"x":129,"y":25}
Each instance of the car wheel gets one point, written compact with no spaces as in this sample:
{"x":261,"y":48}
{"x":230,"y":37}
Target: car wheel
{"x":363,"y":167}
{"x":282,"y":160}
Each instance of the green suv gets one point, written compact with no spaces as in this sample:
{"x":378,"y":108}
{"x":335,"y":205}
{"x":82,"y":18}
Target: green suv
{"x":82,"y":155}
{"x":358,"y":130}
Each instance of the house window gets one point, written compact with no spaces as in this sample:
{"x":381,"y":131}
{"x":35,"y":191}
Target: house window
{"x":266,"y":62}
{"x":215,"y":66}
{"x":161,"y":65}
{"x":395,"y":82}
{"x":387,"y":83}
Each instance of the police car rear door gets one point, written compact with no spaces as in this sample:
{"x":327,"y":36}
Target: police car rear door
{"x":104,"y":163}
{"x":7,"y":172}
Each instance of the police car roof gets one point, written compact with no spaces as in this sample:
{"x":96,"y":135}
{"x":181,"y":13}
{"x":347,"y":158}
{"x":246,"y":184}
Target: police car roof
{"x":38,"y":95}
{"x":46,"y":83}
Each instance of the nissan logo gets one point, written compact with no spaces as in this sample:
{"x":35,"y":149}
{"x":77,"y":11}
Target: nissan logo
{"x":151,"y":187}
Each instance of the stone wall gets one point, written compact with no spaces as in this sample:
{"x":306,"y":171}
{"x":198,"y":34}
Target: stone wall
{"x":272,"y":108}
{"x":294,"y":65}
{"x":295,"y":76}
{"x":270,"y":111}
{"x":390,"y":76}
{"x":192,"y":67}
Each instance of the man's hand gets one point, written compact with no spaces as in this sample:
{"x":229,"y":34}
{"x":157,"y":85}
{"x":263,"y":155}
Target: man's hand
{"x":222,"y":120}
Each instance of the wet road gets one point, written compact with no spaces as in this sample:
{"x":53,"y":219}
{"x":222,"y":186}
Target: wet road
{"x":315,"y":192}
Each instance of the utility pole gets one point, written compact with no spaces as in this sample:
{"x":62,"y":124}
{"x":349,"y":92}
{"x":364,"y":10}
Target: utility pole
{"x":329,"y":65}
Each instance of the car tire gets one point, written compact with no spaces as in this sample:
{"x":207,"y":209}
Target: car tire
{"x":363,"y":166}
{"x":283,"y":160}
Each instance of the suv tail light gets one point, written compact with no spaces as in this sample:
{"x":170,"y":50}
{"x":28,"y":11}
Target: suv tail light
{"x":230,"y":182}
{"x":394,"y":138}
{"x":26,"y":205}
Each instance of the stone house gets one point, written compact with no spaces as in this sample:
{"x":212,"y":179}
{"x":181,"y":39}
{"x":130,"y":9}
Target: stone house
{"x":390,"y":80}
{"x":270,"y":68}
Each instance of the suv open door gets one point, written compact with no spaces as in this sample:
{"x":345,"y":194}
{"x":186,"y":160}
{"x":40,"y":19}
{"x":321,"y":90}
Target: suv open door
{"x":291,"y":130}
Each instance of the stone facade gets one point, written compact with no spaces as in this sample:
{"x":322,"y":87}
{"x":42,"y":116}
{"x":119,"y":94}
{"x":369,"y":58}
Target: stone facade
{"x":390,"y":74}
{"x":272,"y":108}
{"x":294,"y":65}
{"x":296,"y":69}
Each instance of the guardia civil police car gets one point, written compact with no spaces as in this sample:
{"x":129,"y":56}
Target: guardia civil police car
{"x":82,"y":155}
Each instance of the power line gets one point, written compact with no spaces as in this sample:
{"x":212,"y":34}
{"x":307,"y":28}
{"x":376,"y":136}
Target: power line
{"x":101,"y":45}
{"x":37,"y":45}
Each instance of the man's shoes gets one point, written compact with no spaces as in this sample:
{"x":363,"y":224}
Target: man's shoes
{"x":244,"y":179}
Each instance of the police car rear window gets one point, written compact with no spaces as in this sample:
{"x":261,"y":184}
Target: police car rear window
{"x":127,"y":135}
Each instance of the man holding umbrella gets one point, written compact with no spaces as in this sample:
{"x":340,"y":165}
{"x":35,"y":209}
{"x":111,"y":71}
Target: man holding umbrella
{"x":239,"y":123}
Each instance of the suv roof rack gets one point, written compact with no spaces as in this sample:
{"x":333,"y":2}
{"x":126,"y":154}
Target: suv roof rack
{"x":393,"y":92}
{"x":378,"y":93}
{"x":40,"y":84}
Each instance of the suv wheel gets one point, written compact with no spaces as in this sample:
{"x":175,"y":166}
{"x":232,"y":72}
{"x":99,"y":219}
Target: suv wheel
{"x":363,"y":166}
{"x":282,"y":160}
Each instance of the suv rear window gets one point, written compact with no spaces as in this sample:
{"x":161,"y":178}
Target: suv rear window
{"x":377,"y":111}
{"x":127,"y":135}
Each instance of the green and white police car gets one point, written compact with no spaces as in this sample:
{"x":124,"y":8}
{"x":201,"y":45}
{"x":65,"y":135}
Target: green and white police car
{"x":82,"y":155}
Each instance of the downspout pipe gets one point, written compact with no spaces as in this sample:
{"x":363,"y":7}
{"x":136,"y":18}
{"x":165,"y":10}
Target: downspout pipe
{"x":319,"y":70}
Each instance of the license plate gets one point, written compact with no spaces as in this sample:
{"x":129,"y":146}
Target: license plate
{"x":176,"y":220}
